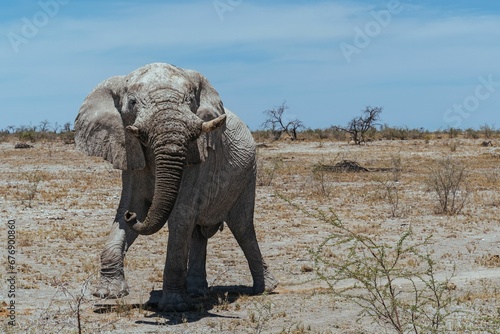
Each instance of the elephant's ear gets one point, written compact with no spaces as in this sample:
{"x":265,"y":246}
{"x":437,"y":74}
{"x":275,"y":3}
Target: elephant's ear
{"x":99,"y":128}
{"x":209,"y":106}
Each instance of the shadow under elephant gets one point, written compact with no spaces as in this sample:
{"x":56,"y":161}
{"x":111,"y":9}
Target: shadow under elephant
{"x":219,"y":296}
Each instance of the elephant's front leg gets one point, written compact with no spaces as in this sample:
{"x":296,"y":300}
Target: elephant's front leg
{"x":112,"y":282}
{"x":175,"y":297}
{"x":134,"y":197}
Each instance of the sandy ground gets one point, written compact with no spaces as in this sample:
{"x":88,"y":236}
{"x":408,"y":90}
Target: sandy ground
{"x":63,"y":204}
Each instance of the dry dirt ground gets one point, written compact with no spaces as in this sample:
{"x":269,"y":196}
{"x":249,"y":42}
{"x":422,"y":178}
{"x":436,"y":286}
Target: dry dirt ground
{"x":63,"y":203}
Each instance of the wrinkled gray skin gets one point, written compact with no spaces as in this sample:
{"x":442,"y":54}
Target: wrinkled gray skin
{"x":187,"y":161}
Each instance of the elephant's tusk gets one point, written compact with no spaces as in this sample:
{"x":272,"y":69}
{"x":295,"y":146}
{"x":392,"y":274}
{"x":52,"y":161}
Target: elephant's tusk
{"x":130,"y":217}
{"x":213,"y":124}
{"x":133,"y":130}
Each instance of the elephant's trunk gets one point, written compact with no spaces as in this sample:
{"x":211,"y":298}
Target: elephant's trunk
{"x":169,"y":148}
{"x":169,"y":140}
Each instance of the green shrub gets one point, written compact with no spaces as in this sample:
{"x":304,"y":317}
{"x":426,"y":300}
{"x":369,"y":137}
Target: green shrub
{"x":395,"y":285}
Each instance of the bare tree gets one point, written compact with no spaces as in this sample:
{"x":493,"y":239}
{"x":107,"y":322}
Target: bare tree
{"x":293,"y":127}
{"x":44,"y":126}
{"x":56,"y":128}
{"x":67,"y":127}
{"x":276,"y":123}
{"x":360,"y":125}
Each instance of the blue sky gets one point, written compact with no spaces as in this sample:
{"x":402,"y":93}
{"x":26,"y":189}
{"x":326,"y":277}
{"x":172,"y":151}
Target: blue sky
{"x":431,"y":64}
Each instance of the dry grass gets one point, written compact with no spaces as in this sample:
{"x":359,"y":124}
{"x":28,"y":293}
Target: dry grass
{"x":61,"y":232}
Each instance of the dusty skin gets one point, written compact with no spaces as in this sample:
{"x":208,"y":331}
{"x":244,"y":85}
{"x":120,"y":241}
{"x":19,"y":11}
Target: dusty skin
{"x":63,"y":203}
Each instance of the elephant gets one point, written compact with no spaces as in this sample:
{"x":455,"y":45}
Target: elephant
{"x":187,"y":162}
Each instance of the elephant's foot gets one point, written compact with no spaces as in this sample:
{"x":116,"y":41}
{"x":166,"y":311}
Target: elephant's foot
{"x":111,"y":288}
{"x":197,"y":287}
{"x":268,"y":284}
{"x":175,"y":302}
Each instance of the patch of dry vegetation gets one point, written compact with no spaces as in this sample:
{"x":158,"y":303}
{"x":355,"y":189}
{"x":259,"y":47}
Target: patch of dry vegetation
{"x":64,"y":220}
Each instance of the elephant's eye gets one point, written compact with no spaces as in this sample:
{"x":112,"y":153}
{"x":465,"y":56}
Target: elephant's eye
{"x":190,"y":100}
{"x":132,"y":102}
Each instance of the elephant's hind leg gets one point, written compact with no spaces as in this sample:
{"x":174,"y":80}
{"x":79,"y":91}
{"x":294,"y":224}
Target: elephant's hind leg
{"x":240,"y":222}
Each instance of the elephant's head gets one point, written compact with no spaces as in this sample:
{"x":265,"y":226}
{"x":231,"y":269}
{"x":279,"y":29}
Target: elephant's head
{"x":160,"y":109}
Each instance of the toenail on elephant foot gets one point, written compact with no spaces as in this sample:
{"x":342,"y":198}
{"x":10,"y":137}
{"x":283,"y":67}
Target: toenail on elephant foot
{"x":175,"y":302}
{"x":111,"y":289}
